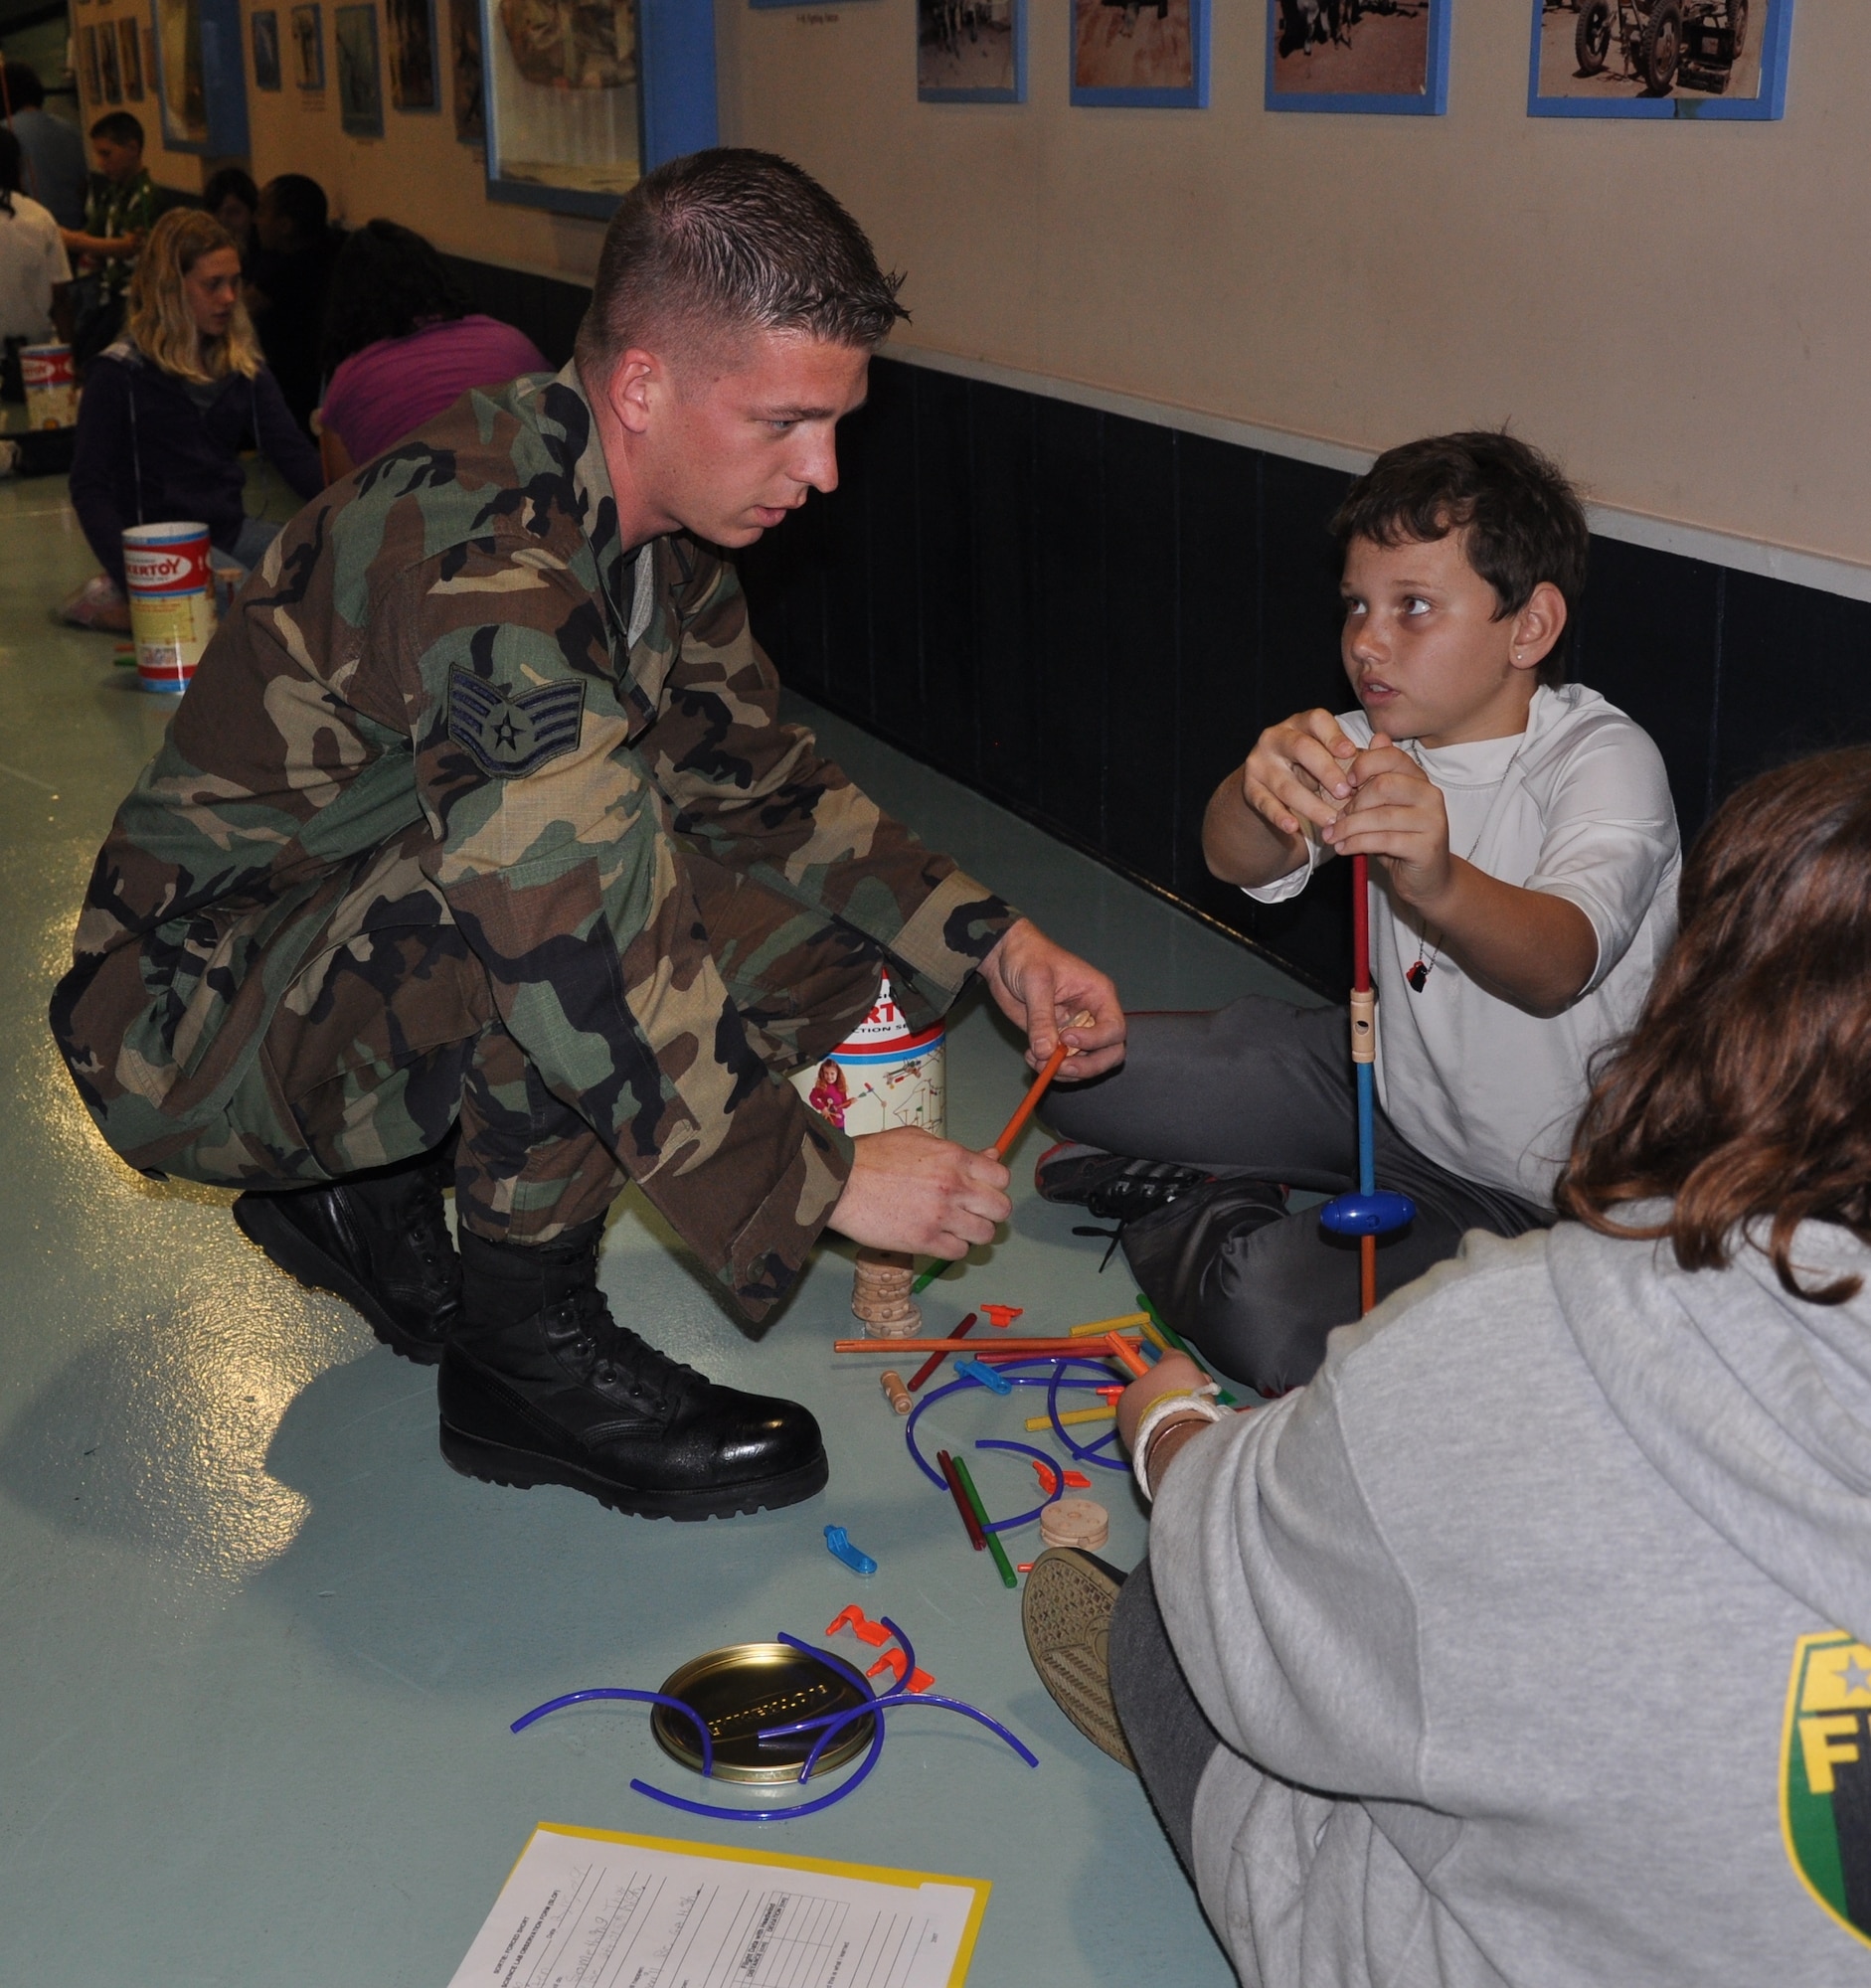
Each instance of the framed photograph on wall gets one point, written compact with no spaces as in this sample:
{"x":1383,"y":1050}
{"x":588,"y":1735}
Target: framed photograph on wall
{"x":415,"y":80}
{"x":583,"y":97}
{"x":108,"y":74}
{"x":130,"y":60}
{"x":1152,"y":54}
{"x":464,"y":64}
{"x":89,"y":67}
{"x":970,"y":51}
{"x":181,"y":92}
{"x":1697,"y":58}
{"x":265,"y":31}
{"x":360,"y":71}
{"x":1389,"y":57}
{"x":308,"y":45}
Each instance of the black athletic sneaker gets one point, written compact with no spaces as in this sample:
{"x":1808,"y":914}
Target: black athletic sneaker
{"x":564,"y":1395}
{"x":1109,"y":1186}
{"x":1065,"y":1611}
{"x":379,"y":1240}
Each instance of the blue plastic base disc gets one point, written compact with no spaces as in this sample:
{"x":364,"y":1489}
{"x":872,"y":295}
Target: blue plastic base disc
{"x":1368,"y":1213}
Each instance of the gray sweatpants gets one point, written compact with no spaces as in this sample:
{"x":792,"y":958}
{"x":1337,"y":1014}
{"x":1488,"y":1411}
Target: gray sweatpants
{"x":1171,"y":1737}
{"x":1263,"y":1091}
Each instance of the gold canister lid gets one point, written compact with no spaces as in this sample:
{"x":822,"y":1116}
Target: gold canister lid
{"x":746,"y":1687}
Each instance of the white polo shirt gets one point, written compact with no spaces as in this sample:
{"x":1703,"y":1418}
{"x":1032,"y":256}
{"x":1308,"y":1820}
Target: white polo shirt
{"x":1579,"y":806}
{"x":32,"y":259}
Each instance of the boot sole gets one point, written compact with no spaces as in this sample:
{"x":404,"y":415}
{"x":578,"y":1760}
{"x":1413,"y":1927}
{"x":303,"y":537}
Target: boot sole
{"x":290,"y":1250}
{"x":523,"y":1469}
{"x":1065,"y":1613}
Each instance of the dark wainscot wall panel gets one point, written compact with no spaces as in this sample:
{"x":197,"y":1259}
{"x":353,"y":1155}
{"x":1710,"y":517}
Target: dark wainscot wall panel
{"x":1088,"y":619}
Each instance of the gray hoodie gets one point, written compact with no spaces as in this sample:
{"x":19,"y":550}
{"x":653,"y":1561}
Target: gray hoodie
{"x":1532,"y":1625}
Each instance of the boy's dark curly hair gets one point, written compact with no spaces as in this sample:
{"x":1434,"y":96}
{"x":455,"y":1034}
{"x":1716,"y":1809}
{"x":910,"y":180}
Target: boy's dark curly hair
{"x":386,"y":283}
{"x":1523,"y":520}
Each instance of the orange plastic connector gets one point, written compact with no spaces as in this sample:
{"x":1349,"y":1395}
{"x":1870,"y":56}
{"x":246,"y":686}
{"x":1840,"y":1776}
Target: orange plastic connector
{"x":1075,"y":1480}
{"x":860,"y":1625}
{"x":1000,"y":1317}
{"x":893,"y":1661}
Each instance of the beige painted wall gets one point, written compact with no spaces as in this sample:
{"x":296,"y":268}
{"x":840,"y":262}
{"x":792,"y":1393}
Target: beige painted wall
{"x":1673,"y":309}
{"x":1676,"y":310}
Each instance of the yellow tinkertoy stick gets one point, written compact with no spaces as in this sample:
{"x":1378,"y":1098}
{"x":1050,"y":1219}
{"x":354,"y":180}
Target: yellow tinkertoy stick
{"x":1142,"y":1319}
{"x":1071,"y":1416}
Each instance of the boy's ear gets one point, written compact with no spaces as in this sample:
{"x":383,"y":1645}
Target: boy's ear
{"x":1538,"y":626}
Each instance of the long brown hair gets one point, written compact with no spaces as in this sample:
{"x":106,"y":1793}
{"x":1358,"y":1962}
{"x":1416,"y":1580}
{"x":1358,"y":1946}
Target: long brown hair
{"x":1743,"y":1093}
{"x":161,"y":322}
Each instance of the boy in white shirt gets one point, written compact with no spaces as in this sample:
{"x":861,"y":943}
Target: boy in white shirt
{"x":1524,"y":858}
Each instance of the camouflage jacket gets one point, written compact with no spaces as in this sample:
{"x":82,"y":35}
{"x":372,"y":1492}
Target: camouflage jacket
{"x":446,"y":637}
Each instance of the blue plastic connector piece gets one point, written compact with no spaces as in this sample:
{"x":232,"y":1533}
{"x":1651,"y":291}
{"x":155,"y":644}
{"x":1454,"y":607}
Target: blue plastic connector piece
{"x":1374,"y":1213}
{"x":838,"y":1543}
{"x":976,"y":1370}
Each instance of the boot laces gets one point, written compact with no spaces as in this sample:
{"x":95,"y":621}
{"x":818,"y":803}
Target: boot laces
{"x":618,"y":1356}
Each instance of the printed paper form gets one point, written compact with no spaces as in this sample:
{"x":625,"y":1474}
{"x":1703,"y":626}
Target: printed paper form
{"x":584,"y":1909}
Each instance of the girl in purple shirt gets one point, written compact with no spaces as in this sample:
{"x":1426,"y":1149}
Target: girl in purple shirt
{"x":400,"y":345}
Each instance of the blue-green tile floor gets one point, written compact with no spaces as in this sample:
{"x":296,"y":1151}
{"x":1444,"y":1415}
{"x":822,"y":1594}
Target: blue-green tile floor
{"x":260,"y":1647}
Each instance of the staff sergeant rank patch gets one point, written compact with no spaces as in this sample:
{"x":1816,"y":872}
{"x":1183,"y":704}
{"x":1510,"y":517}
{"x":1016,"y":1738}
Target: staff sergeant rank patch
{"x":508,"y":732}
{"x":1825,"y":1775}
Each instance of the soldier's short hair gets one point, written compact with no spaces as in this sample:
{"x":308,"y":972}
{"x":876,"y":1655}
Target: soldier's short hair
{"x":1523,"y":520}
{"x":119,"y":127}
{"x":721,"y":244}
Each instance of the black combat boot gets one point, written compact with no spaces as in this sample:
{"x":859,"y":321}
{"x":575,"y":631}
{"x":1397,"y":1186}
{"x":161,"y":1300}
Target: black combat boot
{"x":542,"y":1386}
{"x":376,"y":1239}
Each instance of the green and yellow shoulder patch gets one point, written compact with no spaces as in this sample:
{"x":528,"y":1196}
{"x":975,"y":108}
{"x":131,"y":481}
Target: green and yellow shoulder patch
{"x":1825,"y":1775}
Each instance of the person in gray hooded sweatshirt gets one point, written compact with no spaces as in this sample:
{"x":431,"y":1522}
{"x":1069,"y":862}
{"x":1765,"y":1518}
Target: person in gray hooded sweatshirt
{"x":1530,"y":1643}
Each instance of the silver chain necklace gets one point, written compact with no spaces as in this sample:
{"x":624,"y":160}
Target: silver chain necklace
{"x":1430,"y":948}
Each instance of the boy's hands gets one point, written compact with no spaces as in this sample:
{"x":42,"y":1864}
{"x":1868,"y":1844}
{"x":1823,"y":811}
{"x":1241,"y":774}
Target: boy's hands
{"x":1297,"y":771}
{"x":1253,"y":831}
{"x":1396,"y":814}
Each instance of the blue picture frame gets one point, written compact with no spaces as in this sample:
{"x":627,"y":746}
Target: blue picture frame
{"x":940,"y":93}
{"x":223,"y":76}
{"x":1774,"y":43}
{"x":676,"y":102}
{"x":1192,"y":95}
{"x":1430,"y":102}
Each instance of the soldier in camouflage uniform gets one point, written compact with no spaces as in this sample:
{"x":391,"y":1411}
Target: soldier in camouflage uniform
{"x":477,"y":852}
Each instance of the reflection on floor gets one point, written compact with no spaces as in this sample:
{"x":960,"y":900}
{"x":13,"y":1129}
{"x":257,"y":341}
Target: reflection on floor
{"x":261,"y":1647}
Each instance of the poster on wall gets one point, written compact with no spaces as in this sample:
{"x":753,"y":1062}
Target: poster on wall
{"x":360,"y":73}
{"x":131,"y":61}
{"x":410,"y":26}
{"x":266,"y":26}
{"x":970,"y":51}
{"x":308,"y":45}
{"x":108,"y":70}
{"x":464,"y":62}
{"x":180,"y":90}
{"x":564,"y":105}
{"x":1387,"y":56}
{"x":1696,"y":59}
{"x":1149,"y":53}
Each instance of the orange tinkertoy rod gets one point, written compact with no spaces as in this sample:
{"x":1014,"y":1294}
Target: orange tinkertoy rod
{"x":1052,"y":1349}
{"x":1048,"y":1070}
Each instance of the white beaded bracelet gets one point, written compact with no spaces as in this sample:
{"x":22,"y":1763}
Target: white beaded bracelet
{"x":1183,"y":1401}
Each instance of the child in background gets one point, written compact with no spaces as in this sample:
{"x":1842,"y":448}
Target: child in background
{"x":402,"y":346}
{"x":167,"y":407}
{"x":121,"y":211}
{"x":1531,"y":1642}
{"x":1523,"y":859}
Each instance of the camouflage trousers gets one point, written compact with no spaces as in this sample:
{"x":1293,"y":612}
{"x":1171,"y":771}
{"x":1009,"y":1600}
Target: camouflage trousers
{"x":387,"y":1038}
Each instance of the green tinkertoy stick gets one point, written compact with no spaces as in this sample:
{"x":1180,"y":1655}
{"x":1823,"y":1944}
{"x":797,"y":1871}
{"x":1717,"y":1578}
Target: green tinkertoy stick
{"x":1223,"y":1398}
{"x":1008,"y":1579}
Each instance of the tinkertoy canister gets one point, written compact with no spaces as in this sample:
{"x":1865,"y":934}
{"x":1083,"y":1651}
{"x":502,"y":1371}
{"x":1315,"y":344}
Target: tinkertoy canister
{"x":51,"y":383}
{"x":172,"y":601}
{"x":884,"y":1074}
